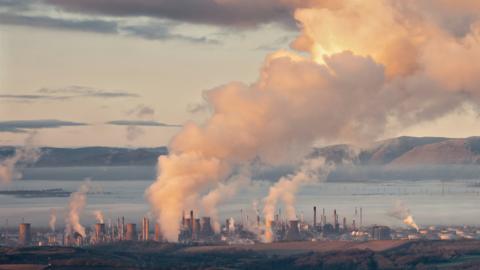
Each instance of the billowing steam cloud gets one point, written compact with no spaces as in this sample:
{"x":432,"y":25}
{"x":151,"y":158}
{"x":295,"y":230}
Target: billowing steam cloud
{"x":28,"y":154}
{"x":373,"y":66}
{"x":401,"y":212}
{"x":53,"y":219}
{"x":76,"y":205}
{"x":98,"y":216}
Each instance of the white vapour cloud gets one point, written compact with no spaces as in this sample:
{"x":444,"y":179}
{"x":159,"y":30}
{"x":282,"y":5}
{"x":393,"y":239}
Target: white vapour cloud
{"x":26,"y":155}
{"x":401,"y":212}
{"x":76,"y":205}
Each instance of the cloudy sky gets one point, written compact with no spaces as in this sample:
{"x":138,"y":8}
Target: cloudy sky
{"x":131,"y":73}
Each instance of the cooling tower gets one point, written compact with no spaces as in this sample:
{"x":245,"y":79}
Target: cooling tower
{"x":206,"y":227}
{"x":99,"y":232}
{"x":24,"y":234}
{"x":131,"y":234}
{"x":293,"y":234}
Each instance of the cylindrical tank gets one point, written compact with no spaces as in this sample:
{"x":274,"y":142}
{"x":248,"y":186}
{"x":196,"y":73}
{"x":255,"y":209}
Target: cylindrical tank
{"x":24,"y":234}
{"x":131,"y":232}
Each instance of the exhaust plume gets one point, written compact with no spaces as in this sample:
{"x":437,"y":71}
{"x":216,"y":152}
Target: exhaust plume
{"x":26,"y":155}
{"x":219,"y":194}
{"x":286,"y":188}
{"x":400,"y":211}
{"x":53,"y":219}
{"x":76,"y":205}
{"x":371,"y":67}
{"x":98,"y":216}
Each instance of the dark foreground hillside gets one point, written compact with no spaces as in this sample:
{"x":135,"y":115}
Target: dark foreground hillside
{"x":127,"y":255}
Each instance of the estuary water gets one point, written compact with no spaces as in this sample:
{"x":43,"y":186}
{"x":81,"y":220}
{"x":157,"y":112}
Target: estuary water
{"x":431,"y":202}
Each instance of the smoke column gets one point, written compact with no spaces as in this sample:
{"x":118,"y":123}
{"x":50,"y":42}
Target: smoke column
{"x":53,"y":219}
{"x":76,"y":205}
{"x":286,"y":188}
{"x":400,"y":211}
{"x":219,"y":194}
{"x":98,"y":216}
{"x":28,"y":154}
{"x":366,"y":67}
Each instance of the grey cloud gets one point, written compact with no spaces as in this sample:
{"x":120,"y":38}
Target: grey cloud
{"x":98,"y":26}
{"x":22,"y":126}
{"x":150,"y":31}
{"x":161,"y":32}
{"x":245,"y":13}
{"x":84,"y":91}
{"x":141,"y":123}
{"x":31,"y":97}
{"x":67,"y":93}
{"x":142,"y":111}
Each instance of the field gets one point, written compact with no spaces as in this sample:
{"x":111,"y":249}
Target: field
{"x":288,"y":255}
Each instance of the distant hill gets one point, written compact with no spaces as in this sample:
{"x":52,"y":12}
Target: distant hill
{"x":93,"y":156}
{"x":401,"y":151}
{"x":407,"y":151}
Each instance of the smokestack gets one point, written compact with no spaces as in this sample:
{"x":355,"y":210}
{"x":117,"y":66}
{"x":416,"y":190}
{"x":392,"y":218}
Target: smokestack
{"x":24,"y":234}
{"x":361,"y":217}
{"x":99,"y":232}
{"x":145,"y":228}
{"x":183,"y":218}
{"x":314,"y":216}
{"x":131,"y":234}
{"x":345,"y":224}
{"x":192,"y":226}
{"x":122,"y":231}
{"x":158,"y":233}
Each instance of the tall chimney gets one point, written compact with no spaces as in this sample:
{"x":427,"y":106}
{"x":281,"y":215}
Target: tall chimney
{"x":361,"y":217}
{"x":24,"y":234}
{"x":145,"y":228}
{"x":122,"y":232}
{"x":192,"y":221}
{"x":158,"y":233}
{"x":183,"y":218}
{"x":314,"y":216}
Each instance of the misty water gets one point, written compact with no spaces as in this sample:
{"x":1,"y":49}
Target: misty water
{"x":431,"y":202}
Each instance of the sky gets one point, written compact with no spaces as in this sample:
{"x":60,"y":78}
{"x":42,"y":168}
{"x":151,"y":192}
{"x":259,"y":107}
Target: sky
{"x":114,"y":73}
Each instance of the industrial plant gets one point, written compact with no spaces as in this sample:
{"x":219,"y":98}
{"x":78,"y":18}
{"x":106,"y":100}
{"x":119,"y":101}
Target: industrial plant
{"x":200,"y":231}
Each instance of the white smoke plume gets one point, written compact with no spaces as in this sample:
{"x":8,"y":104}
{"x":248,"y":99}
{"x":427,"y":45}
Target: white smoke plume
{"x":231,"y":224}
{"x":400,"y":211}
{"x":76,"y":205}
{"x":371,"y":67}
{"x":286,"y":188}
{"x":26,"y":155}
{"x":53,"y":219}
{"x":221,"y":193}
{"x":99,"y":216}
